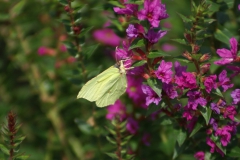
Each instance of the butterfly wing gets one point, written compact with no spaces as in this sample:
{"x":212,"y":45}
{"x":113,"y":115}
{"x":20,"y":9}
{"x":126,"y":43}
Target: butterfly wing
{"x":96,"y":87}
{"x":114,"y":92}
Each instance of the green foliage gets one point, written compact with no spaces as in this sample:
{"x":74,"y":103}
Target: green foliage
{"x":12,"y":139}
{"x":119,"y":139}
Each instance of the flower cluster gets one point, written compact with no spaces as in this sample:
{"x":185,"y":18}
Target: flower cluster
{"x":204,"y":91}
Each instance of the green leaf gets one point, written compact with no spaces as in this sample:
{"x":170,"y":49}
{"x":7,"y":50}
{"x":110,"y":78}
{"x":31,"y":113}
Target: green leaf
{"x":139,"y":63}
{"x":223,"y":36}
{"x":23,"y":157}
{"x":84,"y":31}
{"x":157,"y":88}
{"x":83,"y":126}
{"x":196,"y":128}
{"x":181,"y":41}
{"x":178,"y":150}
{"x":182,"y":60}
{"x":88,"y":51}
{"x":63,"y":2}
{"x":156,"y":54}
{"x":111,"y":131}
{"x":206,"y":113}
{"x":111,"y":140}
{"x":137,"y":43}
{"x":72,"y":51}
{"x":112,"y":155}
{"x":117,"y":24}
{"x":218,"y":92}
{"x":66,"y":21}
{"x":234,"y":152}
{"x":209,"y":20}
{"x":18,"y":8}
{"x":116,"y":3}
{"x":4,"y":17}
{"x":219,"y":145}
{"x":181,"y":137}
{"x":153,"y":108}
{"x":68,"y":44}
{"x":185,"y":19}
{"x":4,"y":149}
{"x":165,"y":120}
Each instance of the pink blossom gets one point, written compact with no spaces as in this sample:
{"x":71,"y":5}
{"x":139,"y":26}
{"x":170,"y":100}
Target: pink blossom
{"x":107,"y":36}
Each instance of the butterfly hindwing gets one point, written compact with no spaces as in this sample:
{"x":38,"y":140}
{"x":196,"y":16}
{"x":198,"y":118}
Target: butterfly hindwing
{"x":94,"y":88}
{"x":114,"y":92}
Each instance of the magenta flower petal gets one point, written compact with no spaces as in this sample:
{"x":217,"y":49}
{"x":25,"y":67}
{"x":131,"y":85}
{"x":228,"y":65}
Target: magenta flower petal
{"x":236,"y":96}
{"x":227,"y":56}
{"x":151,"y":96}
{"x":164,"y":72}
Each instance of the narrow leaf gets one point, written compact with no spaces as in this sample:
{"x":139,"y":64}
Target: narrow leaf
{"x":136,"y":44}
{"x":196,"y":128}
{"x":206,"y":113}
{"x":112,"y":155}
{"x":185,"y":19}
{"x":181,"y":41}
{"x":111,"y":140}
{"x":156,"y":54}
{"x":139,"y":63}
{"x":182,"y":135}
{"x":4,"y":149}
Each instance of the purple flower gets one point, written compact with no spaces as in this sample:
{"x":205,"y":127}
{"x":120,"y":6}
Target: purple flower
{"x":179,"y":69}
{"x":192,"y":124}
{"x":195,"y":99}
{"x":169,"y":90}
{"x":225,"y":134}
{"x":224,"y":81}
{"x":215,"y":108}
{"x":130,"y":9}
{"x":132,"y":32}
{"x":135,"y":30}
{"x":168,"y":47}
{"x":229,"y":112}
{"x":214,"y":124}
{"x":164,"y":72}
{"x":117,"y":110}
{"x":188,"y":113}
{"x":42,"y":51}
{"x":187,"y":80}
{"x":153,"y":36}
{"x":210,"y":83}
{"x":132,"y":125}
{"x":146,"y":139}
{"x":134,"y":90}
{"x":239,"y":7}
{"x":235,"y":69}
{"x":228,"y":56}
{"x":213,"y":147}
{"x":199,"y":155}
{"x":107,"y":36}
{"x":236,"y":96}
{"x":153,"y":11}
{"x":152,"y":97}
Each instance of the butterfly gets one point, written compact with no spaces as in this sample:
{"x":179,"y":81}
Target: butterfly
{"x":106,"y":87}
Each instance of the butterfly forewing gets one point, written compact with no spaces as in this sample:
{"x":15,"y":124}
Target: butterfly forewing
{"x":96,"y":87}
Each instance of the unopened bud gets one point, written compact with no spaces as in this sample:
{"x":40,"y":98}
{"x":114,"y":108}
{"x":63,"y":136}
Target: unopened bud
{"x":77,"y":30}
{"x":196,"y":48}
{"x":188,"y":37}
{"x":205,"y":68}
{"x":205,"y":57}
{"x":187,"y":55}
{"x":67,"y":8}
